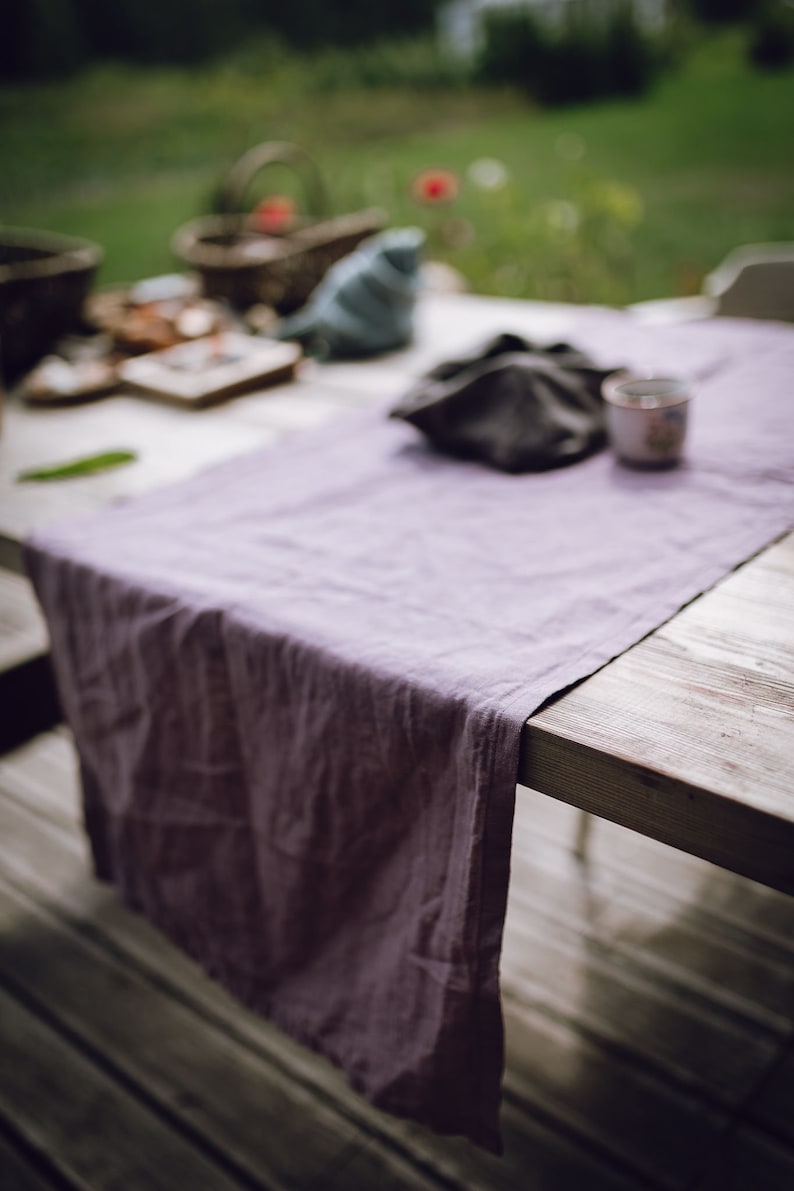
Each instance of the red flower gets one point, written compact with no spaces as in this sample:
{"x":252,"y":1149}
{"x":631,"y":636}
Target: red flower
{"x":274,"y":214}
{"x":433,"y":187}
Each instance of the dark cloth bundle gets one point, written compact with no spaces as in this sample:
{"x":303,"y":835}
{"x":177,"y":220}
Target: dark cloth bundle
{"x":513,"y":404}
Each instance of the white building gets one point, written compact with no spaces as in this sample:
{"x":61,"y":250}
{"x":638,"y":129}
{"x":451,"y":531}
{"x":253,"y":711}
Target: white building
{"x":461,"y":21}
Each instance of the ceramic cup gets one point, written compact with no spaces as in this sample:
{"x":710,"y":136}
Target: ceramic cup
{"x":646,"y":417}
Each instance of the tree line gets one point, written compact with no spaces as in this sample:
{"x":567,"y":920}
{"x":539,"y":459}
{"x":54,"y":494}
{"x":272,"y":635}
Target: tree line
{"x":54,"y":38}
{"x":47,"y":38}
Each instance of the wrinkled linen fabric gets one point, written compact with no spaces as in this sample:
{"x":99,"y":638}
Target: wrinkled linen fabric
{"x":297,"y":684}
{"x":515,"y":404}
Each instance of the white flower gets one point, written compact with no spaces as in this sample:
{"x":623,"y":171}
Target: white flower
{"x":488,"y":173}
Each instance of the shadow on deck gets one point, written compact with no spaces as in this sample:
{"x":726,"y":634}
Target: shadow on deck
{"x":649,"y":1002}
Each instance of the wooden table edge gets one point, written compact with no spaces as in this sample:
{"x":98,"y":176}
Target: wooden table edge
{"x":724,"y":830}
{"x":614,"y":758}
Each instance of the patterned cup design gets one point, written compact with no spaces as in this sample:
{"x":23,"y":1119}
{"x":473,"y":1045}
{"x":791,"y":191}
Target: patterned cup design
{"x":646,"y":417}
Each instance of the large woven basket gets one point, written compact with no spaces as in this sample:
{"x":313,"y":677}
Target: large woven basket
{"x":243,"y":265}
{"x":44,"y":281}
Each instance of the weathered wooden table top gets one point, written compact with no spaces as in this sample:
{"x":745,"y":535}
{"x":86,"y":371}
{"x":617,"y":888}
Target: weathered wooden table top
{"x":687,"y":738}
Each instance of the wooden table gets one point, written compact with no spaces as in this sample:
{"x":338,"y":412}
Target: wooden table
{"x":687,"y":738}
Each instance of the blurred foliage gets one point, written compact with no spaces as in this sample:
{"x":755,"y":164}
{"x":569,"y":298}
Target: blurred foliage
{"x":608,"y":202}
{"x":587,"y":56}
{"x":53,"y":38}
{"x":404,"y":62}
{"x":771,"y":37}
{"x":313,"y":23}
{"x":160,"y":30}
{"x":564,"y":247}
{"x":41,"y":39}
{"x":724,"y":11}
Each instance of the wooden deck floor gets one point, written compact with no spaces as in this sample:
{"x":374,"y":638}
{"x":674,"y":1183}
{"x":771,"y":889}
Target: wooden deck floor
{"x":650,"y":1018}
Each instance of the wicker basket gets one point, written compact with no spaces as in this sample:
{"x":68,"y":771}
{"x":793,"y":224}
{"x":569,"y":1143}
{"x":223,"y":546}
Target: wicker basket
{"x":243,"y":265}
{"x":44,"y":281}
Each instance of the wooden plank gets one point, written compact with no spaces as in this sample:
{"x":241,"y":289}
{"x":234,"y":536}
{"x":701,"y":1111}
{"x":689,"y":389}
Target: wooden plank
{"x":629,"y":1014}
{"x":586,"y":924}
{"x":640,"y":863}
{"x":625,"y":873}
{"x":662,"y":939}
{"x":193,"y":1073}
{"x":29,"y":700}
{"x":627,"y":1113}
{"x":543,"y":1048}
{"x":545,"y":1111}
{"x":19,"y":1172}
{"x":537,"y":1157}
{"x":43,"y":776}
{"x":646,"y":969}
{"x":689,"y":738}
{"x":689,"y":1042}
{"x":27,"y":689}
{"x":11,"y":551}
{"x":48,"y":865}
{"x":23,"y":633}
{"x":702,"y":965}
{"x":772,"y":1107}
{"x":314,"y":397}
{"x":362,"y":1166}
{"x":283,"y":412}
{"x":749,"y":1161}
{"x":51,"y":867}
{"x":96,"y":1134}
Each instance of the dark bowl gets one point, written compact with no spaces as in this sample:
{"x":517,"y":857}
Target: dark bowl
{"x":44,"y":281}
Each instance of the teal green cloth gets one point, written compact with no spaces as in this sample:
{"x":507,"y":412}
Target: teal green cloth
{"x":365,"y":303}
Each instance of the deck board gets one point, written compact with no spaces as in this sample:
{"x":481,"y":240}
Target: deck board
{"x":204,"y":1091}
{"x":22,"y":1172}
{"x":649,"y":1004}
{"x":97,"y":1135}
{"x":27,"y":692}
{"x":773,"y":1105}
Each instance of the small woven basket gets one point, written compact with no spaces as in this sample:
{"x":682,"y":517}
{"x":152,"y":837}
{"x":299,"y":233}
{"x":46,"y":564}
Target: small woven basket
{"x":244,"y":266}
{"x":44,"y":281}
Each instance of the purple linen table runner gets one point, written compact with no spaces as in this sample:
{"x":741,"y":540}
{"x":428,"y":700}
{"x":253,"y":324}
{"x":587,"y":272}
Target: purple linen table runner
{"x":297,"y":684}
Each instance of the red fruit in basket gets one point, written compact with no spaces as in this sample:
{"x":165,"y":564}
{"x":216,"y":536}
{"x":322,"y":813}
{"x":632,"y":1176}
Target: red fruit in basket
{"x":275,"y":213}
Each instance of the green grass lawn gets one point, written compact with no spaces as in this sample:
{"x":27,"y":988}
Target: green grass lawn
{"x":611,"y":202}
